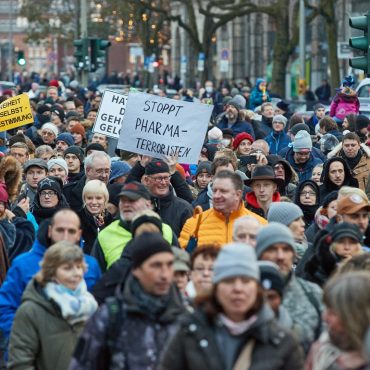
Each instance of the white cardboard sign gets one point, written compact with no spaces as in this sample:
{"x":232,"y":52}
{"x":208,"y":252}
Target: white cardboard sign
{"x":110,"y":115}
{"x":160,"y":127}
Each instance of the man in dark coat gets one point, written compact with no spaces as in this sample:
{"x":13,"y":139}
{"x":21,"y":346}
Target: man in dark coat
{"x":144,"y":317}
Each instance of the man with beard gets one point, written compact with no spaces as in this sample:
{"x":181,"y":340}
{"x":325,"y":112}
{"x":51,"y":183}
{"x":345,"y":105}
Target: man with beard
{"x":231,"y":119}
{"x":346,"y":316}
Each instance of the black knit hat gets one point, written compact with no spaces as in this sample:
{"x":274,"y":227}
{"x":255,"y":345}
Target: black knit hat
{"x":50,"y":183}
{"x":271,"y":277}
{"x":147,"y":245}
{"x":94,"y":146}
{"x":156,"y":166}
{"x":77,"y":151}
{"x":361,"y":122}
{"x":43,"y":108}
{"x":345,"y":229}
{"x":205,"y":165}
{"x":283,"y":105}
{"x":145,"y":219}
{"x":333,"y":195}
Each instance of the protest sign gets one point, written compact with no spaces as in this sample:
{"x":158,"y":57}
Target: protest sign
{"x":161,"y":127}
{"x":15,"y":112}
{"x":110,"y":115}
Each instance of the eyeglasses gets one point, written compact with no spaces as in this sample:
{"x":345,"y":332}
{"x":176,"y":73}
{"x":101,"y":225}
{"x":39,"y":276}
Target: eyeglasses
{"x":160,"y":178}
{"x":45,"y":193}
{"x":103,"y":171}
{"x":309,"y":193}
{"x":302,"y":154}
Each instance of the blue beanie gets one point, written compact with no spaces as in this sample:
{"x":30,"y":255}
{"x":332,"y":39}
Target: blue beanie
{"x":66,"y":137}
{"x":119,"y":169}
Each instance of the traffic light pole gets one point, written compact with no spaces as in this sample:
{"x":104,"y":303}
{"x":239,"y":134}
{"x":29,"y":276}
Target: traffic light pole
{"x":83,"y":24}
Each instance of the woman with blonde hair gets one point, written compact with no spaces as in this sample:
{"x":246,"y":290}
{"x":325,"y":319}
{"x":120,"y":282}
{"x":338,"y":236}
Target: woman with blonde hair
{"x":55,"y":307}
{"x":94,"y":215}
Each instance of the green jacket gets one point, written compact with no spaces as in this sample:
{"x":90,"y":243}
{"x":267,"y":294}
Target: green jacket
{"x":114,"y":238}
{"x":41,"y":338}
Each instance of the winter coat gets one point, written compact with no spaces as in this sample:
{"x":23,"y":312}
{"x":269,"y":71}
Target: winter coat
{"x":23,"y":268}
{"x":256,"y":97}
{"x":306,"y":315}
{"x":41,"y":338}
{"x":328,"y":186}
{"x":316,"y":153}
{"x":304,"y":171}
{"x":196,"y":345}
{"x":344,"y":103}
{"x":73,"y":193}
{"x":277,"y":141}
{"x":90,"y":229}
{"x":237,"y":127}
{"x":362,"y":169}
{"x":139,"y":340}
{"x":252,"y":204}
{"x":214,"y":227}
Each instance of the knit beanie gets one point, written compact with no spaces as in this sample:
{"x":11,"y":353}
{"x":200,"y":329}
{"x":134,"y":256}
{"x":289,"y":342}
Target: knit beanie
{"x":302,"y":141}
{"x":66,"y":137}
{"x":137,"y":221}
{"x":50,"y":183}
{"x":59,"y":161}
{"x":299,"y":127}
{"x":328,"y":142}
{"x":346,"y":230}
{"x":361,"y":122}
{"x":214,"y":135}
{"x":119,"y":169}
{"x":156,"y":166}
{"x":43,"y":108}
{"x":235,"y":103}
{"x":77,"y":151}
{"x":271,"y":277}
{"x":240,"y":100}
{"x":147,"y":245}
{"x":205,"y":165}
{"x":280,"y":118}
{"x":94,"y":146}
{"x":272,"y":234}
{"x":50,"y":126}
{"x":235,"y":259}
{"x":59,"y":112}
{"x":333,"y":195}
{"x":240,"y":137}
{"x":209,"y":151}
{"x":283,"y":105}
{"x":78,"y":129}
{"x":284,"y":212}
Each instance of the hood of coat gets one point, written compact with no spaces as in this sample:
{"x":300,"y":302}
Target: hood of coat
{"x":299,"y":188}
{"x":325,"y":179}
{"x":287,"y":168}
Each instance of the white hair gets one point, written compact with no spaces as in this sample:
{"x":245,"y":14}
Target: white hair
{"x":243,"y":220}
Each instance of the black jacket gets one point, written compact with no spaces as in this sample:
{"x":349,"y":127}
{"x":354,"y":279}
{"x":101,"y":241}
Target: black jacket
{"x":73,"y":193}
{"x":196,"y":346}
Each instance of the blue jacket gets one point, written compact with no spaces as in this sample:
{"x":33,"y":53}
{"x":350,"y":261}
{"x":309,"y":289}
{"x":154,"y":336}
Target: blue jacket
{"x":237,"y":127}
{"x":23,"y":268}
{"x":304,"y":171}
{"x":277,"y":141}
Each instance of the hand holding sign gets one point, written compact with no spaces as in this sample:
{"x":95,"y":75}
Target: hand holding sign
{"x":171,"y":160}
{"x":145,"y":160}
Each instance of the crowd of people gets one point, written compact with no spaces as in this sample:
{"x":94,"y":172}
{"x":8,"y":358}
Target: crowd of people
{"x":256,"y":257}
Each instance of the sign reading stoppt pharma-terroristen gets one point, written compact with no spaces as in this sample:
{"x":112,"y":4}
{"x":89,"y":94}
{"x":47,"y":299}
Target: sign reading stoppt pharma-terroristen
{"x":110,"y":115}
{"x":161,"y":127}
{"x":15,"y":112}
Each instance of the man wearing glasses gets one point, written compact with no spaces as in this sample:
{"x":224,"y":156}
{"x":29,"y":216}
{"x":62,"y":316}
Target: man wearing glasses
{"x":301,"y":158}
{"x":97,"y":167}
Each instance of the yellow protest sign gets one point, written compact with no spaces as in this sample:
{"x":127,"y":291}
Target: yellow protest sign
{"x":15,"y":112}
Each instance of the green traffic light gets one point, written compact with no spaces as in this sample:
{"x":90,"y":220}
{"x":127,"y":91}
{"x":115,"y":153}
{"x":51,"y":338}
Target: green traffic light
{"x":22,"y":61}
{"x":359,"y":63}
{"x":359,"y":23}
{"x":359,"y":42}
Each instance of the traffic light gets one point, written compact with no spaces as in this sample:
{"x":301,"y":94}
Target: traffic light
{"x":21,"y":60}
{"x":301,"y":87}
{"x":361,"y":42}
{"x":81,"y":53}
{"x":98,"y":53}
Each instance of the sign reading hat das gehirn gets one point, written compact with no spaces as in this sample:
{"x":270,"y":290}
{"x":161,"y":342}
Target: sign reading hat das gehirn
{"x":161,"y":127}
{"x":110,"y":115}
